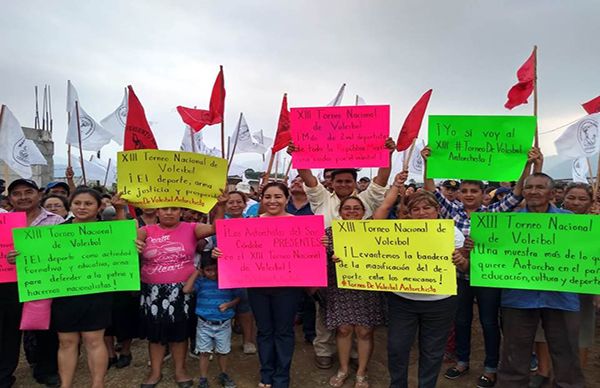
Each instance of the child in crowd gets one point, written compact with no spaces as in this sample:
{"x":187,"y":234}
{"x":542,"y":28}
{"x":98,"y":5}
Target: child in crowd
{"x":215,"y":310}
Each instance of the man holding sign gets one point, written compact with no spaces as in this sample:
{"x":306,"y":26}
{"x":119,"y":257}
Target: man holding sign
{"x":328,"y":204}
{"x":522,"y":310}
{"x":471,"y":195}
{"x":24,"y":195}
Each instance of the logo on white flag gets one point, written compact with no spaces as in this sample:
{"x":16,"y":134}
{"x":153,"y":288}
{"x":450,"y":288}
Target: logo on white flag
{"x":87,"y":127}
{"x":20,"y":153}
{"x":122,"y":115}
{"x":587,"y":135}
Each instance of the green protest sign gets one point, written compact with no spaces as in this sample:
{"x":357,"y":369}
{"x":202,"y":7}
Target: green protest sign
{"x":76,"y":259}
{"x":490,"y":148}
{"x":536,"y":251}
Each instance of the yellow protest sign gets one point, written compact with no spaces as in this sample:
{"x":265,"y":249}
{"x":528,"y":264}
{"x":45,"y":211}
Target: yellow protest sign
{"x":156,"y":178}
{"x":395,"y":255}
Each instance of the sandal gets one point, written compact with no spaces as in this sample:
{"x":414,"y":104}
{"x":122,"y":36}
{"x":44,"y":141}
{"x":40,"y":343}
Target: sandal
{"x":361,"y":382}
{"x":338,"y":379}
{"x":261,"y":385}
{"x":185,"y":384}
{"x":151,"y":385}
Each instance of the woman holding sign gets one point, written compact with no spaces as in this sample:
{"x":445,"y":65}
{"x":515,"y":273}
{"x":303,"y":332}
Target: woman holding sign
{"x":168,"y":249}
{"x":274,"y":308}
{"x":351,"y":311}
{"x":429,"y":315}
{"x":82,"y":317}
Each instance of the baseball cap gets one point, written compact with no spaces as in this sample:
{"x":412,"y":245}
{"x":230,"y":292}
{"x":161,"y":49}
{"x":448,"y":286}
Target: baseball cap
{"x":450,"y":184}
{"x":54,"y":184}
{"x":22,"y":182}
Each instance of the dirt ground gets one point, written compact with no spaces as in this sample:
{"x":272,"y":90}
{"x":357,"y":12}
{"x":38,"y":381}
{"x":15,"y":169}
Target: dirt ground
{"x":244,"y":368}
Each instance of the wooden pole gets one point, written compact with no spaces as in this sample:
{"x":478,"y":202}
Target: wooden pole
{"x":535,"y":96}
{"x":590,"y":171}
{"x":107,"y":170}
{"x":79,"y":141}
{"x":265,"y":178}
{"x":287,"y":171}
{"x":223,"y":122}
{"x":276,"y":167}
{"x":192,"y":139}
{"x":356,"y":101}
{"x":235,"y":141}
{"x":597,"y":186}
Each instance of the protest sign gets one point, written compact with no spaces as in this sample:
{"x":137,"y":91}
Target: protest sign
{"x":395,"y":255}
{"x":536,"y":251}
{"x":8,"y":221}
{"x":340,"y":136}
{"x":156,"y":178}
{"x":272,"y":252}
{"x":76,"y":259}
{"x":490,"y":148}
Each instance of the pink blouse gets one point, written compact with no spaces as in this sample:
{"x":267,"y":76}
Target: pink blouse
{"x":169,"y":253}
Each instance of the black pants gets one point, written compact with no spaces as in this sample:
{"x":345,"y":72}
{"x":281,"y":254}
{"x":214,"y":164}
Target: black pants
{"x":10,"y":341}
{"x":44,"y":353}
{"x":561,"y":329}
{"x":432,"y":320}
{"x":275,"y":311}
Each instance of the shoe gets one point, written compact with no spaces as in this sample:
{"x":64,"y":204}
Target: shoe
{"x":361,"y":382}
{"x":454,"y":373}
{"x":533,"y":363}
{"x":485,"y":382}
{"x":249,"y":348}
{"x":338,"y":379}
{"x":226,"y":381}
{"x":203,"y":383}
{"x":111,"y":361}
{"x":536,"y":381}
{"x":151,"y":385}
{"x":323,"y":362}
{"x":123,"y":361}
{"x":194,"y":354}
{"x":185,"y":384}
{"x":50,"y":381}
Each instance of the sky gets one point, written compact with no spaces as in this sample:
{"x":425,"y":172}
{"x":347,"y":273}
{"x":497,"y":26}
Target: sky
{"x":388,"y":52}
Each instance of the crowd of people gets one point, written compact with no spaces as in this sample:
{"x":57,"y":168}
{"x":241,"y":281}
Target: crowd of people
{"x":180,"y":310}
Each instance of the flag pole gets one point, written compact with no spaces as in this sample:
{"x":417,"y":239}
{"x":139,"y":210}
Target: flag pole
{"x":287,"y":172}
{"x":535,"y":96}
{"x":223,"y":119}
{"x":192,"y":139}
{"x":356,"y":101}
{"x":276,"y":167}
{"x":235,"y":141}
{"x":107,"y":170}
{"x":79,"y":140}
{"x":5,"y":171}
{"x":266,"y":175}
{"x":597,"y":188}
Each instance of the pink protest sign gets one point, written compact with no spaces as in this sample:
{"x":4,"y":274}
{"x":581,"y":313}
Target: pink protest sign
{"x":340,"y":136}
{"x":272,"y":252}
{"x":8,"y":221}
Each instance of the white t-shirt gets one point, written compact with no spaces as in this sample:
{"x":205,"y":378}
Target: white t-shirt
{"x":459,"y":240}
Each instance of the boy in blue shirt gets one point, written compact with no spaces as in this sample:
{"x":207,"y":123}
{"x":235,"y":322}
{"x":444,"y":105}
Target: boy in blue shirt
{"x":215,"y":310}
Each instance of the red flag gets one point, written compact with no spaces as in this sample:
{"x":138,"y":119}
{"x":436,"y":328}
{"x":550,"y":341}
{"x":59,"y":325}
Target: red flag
{"x":521,"y":91}
{"x":592,"y":106}
{"x":199,"y":118}
{"x":283,"y":135}
{"x":138,"y":135}
{"x":412,"y":123}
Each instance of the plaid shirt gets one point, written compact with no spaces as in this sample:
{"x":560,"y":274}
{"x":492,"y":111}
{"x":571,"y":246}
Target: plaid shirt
{"x":462,"y":220}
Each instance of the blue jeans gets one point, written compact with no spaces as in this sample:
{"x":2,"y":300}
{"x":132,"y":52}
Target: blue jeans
{"x":488,"y":302}
{"x":275,"y":311}
{"x":432,"y":320}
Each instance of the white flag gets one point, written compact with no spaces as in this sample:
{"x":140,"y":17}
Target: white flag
{"x":262,"y":139}
{"x":581,"y":139}
{"x":72,"y":96}
{"x":93,"y":171}
{"x":338,"y":98}
{"x":115,"y":122}
{"x":199,"y":146}
{"x":35,"y":155}
{"x":93,"y":136}
{"x":13,"y":145}
{"x":245,"y":143}
{"x":360,"y":100}
{"x":579,"y":170}
{"x":415,"y":164}
{"x":111,"y":177}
